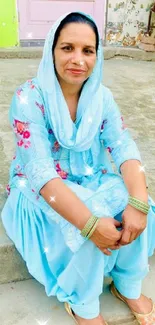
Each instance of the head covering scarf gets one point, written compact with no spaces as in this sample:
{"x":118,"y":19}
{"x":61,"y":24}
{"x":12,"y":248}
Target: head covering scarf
{"x":77,"y":137}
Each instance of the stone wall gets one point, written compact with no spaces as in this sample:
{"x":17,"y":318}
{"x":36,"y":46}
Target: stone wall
{"x":127,"y":21}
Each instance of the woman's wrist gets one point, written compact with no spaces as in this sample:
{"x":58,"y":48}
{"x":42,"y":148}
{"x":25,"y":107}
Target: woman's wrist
{"x":139,"y":204}
{"x":90,"y":227}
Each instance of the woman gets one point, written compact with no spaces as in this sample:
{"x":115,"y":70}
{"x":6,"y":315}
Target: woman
{"x":71,"y":217}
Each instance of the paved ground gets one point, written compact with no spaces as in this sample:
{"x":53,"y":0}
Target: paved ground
{"x":132,"y":83}
{"x":25,"y":303}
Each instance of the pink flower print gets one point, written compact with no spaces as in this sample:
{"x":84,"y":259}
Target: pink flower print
{"x":31,"y":84}
{"x":19,"y":91}
{"x":19,"y":126}
{"x":21,"y":129}
{"x":56,"y":146}
{"x":104,"y":171}
{"x":20,"y":174}
{"x":26,"y":135}
{"x":14,"y":157}
{"x":33,"y":190}
{"x":41,"y":107}
{"x":20,"y":143}
{"x":61,"y":172}
{"x":109,"y":149}
{"x":103,"y":124}
{"x":123,"y":124}
{"x":27,"y":145}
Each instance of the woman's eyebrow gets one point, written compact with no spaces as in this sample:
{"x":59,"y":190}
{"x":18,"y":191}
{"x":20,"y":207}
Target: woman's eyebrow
{"x":68,"y":43}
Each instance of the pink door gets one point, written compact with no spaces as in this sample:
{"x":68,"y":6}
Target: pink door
{"x":37,"y":16}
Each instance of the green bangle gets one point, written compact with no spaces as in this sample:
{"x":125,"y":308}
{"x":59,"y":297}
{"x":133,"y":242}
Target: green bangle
{"x":89,"y":225}
{"x":139,"y":205}
{"x":138,"y":202}
{"x":93,"y":229}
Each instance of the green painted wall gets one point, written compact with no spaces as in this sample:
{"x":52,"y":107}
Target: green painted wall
{"x":8,"y":24}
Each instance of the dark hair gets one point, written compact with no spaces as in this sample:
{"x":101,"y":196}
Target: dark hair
{"x":75,"y":17}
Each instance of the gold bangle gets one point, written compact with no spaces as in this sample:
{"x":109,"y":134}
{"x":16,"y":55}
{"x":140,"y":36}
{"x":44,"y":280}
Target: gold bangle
{"x":89,"y":225}
{"x":93,"y":229}
{"x":139,"y":205}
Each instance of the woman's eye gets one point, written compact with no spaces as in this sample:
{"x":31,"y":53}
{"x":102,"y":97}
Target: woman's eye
{"x":88,"y":51}
{"x":67,"y":48}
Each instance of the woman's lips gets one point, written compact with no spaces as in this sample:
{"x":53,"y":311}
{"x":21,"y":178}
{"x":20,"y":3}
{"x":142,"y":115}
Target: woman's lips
{"x":76,"y":71}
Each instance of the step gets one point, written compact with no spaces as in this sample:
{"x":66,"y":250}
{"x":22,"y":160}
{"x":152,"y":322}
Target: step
{"x":12,"y":266}
{"x":109,"y":52}
{"x":25,"y":302}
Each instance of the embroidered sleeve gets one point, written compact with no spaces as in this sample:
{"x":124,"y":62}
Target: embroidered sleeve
{"x":115,"y":135}
{"x":27,"y":117}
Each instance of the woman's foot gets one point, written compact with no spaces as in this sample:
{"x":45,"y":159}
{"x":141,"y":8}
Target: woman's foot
{"x":95,"y":321}
{"x":142,"y":305}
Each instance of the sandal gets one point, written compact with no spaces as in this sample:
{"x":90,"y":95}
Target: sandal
{"x":143,"y":319}
{"x":71,"y":313}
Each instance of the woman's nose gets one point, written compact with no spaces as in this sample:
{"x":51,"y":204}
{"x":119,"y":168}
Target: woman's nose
{"x":77,"y":58}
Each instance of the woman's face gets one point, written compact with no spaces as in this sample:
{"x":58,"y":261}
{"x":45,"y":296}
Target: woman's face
{"x":75,"y":53}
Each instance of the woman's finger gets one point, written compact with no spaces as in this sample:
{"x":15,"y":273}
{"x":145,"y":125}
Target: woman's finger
{"x":133,"y":236}
{"x":105,"y":251}
{"x":125,"y":240}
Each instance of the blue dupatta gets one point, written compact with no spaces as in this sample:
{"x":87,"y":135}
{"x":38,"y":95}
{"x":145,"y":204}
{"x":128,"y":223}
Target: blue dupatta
{"x":77,"y":137}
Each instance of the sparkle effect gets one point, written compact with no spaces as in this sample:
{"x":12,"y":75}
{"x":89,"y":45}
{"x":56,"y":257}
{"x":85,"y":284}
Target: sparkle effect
{"x":89,"y":171}
{"x":90,"y":120}
{"x":46,"y":249}
{"x":42,"y":323}
{"x":22,"y":183}
{"x":29,"y":35}
{"x":119,"y":142}
{"x":52,"y":198}
{"x":142,"y":169}
{"x":24,"y":100}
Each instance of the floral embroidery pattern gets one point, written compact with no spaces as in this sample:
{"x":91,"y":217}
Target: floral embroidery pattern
{"x":41,"y":107}
{"x":110,"y":149}
{"x":21,"y":129}
{"x":61,"y":172}
{"x":104,"y":171}
{"x":56,"y":146}
{"x":19,"y":171}
{"x":30,"y":82}
{"x":103,"y":125}
{"x":50,"y":131}
{"x":19,"y":91}
{"x":8,"y":189}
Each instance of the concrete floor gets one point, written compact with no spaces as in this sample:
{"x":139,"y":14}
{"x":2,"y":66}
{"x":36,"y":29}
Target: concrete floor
{"x":132,"y":83}
{"x":25,"y":303}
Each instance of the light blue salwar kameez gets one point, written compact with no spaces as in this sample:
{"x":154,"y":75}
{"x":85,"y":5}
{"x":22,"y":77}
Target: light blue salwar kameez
{"x":50,"y":145}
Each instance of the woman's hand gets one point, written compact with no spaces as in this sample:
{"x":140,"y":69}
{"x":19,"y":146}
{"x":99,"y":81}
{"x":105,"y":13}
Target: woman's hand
{"x":106,"y":235}
{"x":134,"y":223}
